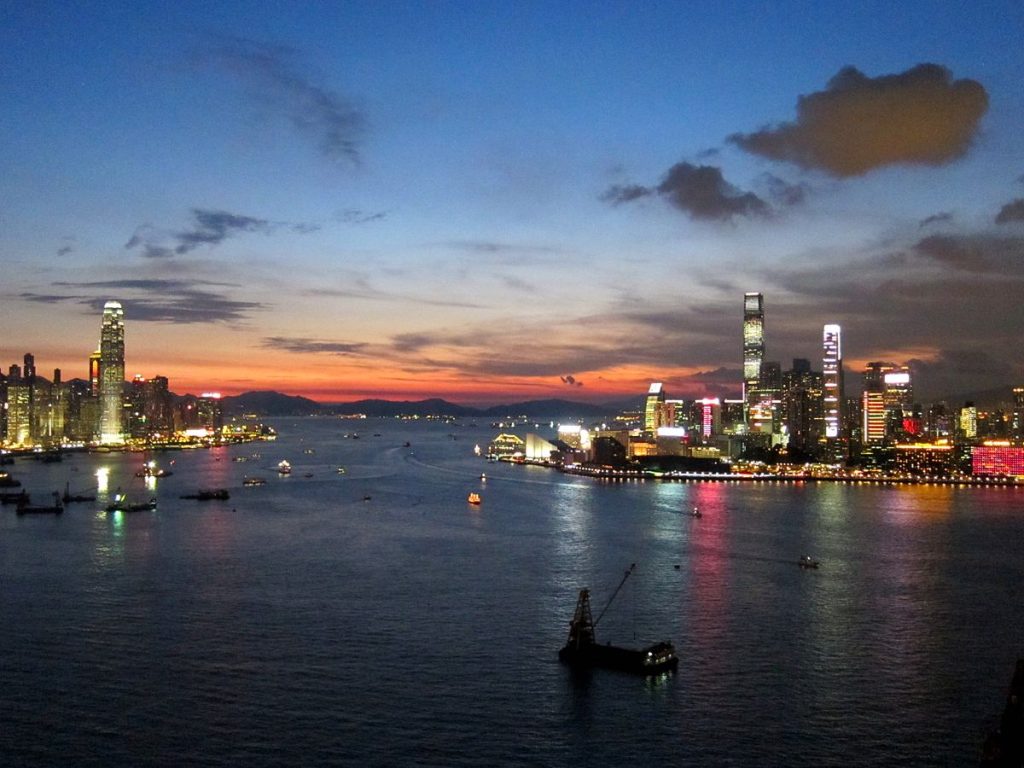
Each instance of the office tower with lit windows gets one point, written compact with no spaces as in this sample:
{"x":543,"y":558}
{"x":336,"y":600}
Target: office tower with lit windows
{"x":801,"y":406}
{"x":654,"y":408}
{"x":832,"y":381}
{"x":1017,"y":424}
{"x":111,"y":373}
{"x":753,"y":347}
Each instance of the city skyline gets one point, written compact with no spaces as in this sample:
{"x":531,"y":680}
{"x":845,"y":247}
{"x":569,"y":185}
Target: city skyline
{"x":514,"y":201}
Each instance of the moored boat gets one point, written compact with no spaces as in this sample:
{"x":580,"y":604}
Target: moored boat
{"x":121,"y":504}
{"x":209,"y":494}
{"x":25,"y":507}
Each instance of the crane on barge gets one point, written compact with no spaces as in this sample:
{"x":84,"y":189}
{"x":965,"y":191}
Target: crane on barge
{"x":582,"y":649}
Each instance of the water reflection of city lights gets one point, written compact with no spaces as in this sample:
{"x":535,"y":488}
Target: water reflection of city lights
{"x":102,"y":478}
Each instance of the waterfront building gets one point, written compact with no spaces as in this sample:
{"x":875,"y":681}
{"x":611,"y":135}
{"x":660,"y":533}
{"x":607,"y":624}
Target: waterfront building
{"x":111,"y":374}
{"x":574,"y":436}
{"x":670,"y":441}
{"x":924,"y":459}
{"x":654,"y":408}
{"x":997,"y":458}
{"x":506,"y":445}
{"x":537,"y":448}
{"x":753,"y":347}
{"x":608,"y":451}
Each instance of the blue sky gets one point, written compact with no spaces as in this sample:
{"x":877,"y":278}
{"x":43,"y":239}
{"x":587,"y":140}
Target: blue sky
{"x":495,"y":200}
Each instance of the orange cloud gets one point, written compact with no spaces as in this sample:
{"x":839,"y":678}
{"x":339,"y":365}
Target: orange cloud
{"x":859,"y":123}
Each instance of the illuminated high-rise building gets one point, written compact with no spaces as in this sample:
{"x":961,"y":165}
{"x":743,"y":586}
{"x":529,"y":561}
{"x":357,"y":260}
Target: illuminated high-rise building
{"x":111,"y":373}
{"x":1017,"y":425}
{"x":654,"y":408}
{"x":832,"y":381}
{"x":753,"y":347}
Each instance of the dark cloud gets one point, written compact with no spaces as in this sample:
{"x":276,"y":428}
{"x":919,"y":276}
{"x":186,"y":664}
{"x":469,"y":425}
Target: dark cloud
{"x":173,"y":301}
{"x":64,"y":250}
{"x":1012,"y":211}
{"x":720,"y":375}
{"x":936,"y":218}
{"x":335,"y":125}
{"x":209,"y":228}
{"x":486,"y":247}
{"x":571,"y":381}
{"x":312,"y":346}
{"x":859,"y":123}
{"x":698,"y":190}
{"x":975,"y":252}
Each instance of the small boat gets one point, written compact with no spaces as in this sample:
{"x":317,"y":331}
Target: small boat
{"x":283,"y":467}
{"x":407,"y":444}
{"x":695,"y":512}
{"x":808,"y":562}
{"x":341,"y":470}
{"x":254,"y":481}
{"x":474,"y":498}
{"x":121,"y":504}
{"x":25,"y":507}
{"x":308,"y":474}
{"x":308,"y":451}
{"x":483,"y":476}
{"x":240,"y":458}
{"x":367,"y":497}
{"x":209,"y":494}
{"x":151,"y":470}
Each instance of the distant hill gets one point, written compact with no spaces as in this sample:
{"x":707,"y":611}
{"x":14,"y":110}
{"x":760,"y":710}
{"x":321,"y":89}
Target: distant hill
{"x":266,"y":403}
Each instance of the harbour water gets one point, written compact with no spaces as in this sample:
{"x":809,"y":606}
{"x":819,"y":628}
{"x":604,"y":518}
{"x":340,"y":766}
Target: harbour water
{"x":376,"y":618}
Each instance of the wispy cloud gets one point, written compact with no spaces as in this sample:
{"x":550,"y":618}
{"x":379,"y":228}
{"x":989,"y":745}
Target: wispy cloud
{"x":155,"y":300}
{"x":330,"y":120}
{"x":858,"y":123}
{"x":209,"y":228}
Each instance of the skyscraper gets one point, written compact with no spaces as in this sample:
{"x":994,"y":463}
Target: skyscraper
{"x":753,"y":346}
{"x":654,"y":407}
{"x":832,"y":381}
{"x":111,"y":373}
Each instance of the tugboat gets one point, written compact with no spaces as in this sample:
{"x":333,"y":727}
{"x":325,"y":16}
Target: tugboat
{"x":582,"y":650}
{"x":121,"y":504}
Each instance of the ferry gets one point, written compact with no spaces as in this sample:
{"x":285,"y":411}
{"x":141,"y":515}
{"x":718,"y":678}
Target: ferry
{"x":254,"y":481}
{"x":474,"y":498}
{"x":283,"y":467}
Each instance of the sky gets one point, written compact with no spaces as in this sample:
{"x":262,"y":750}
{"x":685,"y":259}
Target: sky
{"x":493,"y":202}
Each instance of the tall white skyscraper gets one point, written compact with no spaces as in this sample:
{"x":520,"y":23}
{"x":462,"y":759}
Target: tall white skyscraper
{"x":111,"y":373}
{"x":832,"y":381}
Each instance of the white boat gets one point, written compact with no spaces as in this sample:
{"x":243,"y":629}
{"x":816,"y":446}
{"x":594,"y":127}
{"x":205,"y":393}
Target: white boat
{"x":283,"y":467}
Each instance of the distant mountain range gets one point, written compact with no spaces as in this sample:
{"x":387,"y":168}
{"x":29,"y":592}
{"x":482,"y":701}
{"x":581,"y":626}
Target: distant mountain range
{"x":265,"y":403}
